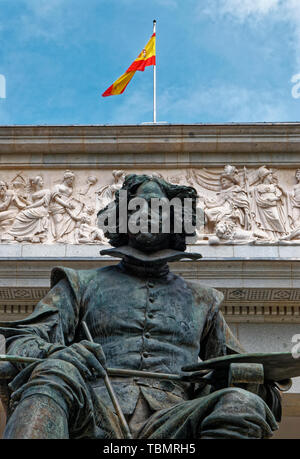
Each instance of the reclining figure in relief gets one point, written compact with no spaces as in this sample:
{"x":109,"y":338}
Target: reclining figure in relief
{"x":141,"y":317}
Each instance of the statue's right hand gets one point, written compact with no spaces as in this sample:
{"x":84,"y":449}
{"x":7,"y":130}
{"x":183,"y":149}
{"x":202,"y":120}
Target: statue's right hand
{"x":87,"y":357}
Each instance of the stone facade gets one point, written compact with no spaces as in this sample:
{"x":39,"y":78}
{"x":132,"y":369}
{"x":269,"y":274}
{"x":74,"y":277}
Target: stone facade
{"x":54,"y":179}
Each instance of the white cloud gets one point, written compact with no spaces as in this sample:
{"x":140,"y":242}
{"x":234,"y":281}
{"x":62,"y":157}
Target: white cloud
{"x":243,"y":9}
{"x":231,"y":103}
{"x":227,"y":103}
{"x":45,"y":8}
{"x":50,"y":20}
{"x":256,"y":11}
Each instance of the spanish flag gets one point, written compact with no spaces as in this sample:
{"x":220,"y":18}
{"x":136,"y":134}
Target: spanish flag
{"x":144,"y":59}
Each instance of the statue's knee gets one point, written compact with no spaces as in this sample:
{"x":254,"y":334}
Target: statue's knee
{"x":55,"y":367}
{"x":237,"y":393}
{"x":242,"y":399}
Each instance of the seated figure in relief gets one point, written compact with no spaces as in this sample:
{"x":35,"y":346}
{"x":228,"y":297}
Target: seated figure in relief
{"x":231,"y":203}
{"x":11,"y":202}
{"x":31,"y":224}
{"x":86,"y":232}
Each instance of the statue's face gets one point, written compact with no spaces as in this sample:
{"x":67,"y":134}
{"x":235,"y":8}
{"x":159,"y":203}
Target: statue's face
{"x":85,"y":219}
{"x":221,"y":229}
{"x":147,"y":241}
{"x":225,"y":183}
{"x":2,"y":190}
{"x":40,"y":182}
{"x":298,"y":175}
{"x":69,"y":180}
{"x":118,"y":176}
{"x":268,"y":178}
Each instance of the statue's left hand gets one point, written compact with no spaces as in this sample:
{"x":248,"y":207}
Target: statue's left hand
{"x":87,"y":357}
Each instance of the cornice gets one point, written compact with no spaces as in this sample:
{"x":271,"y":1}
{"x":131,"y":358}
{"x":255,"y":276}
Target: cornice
{"x":165,"y":145}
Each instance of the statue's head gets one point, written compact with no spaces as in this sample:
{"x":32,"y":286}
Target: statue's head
{"x":224,"y":229}
{"x":36,"y":182}
{"x":118,"y":175}
{"x":138,"y":201}
{"x":69,"y":178}
{"x":229,"y":177}
{"x":3,"y":188}
{"x":265,"y":175}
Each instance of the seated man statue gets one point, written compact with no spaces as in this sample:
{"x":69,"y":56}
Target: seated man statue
{"x":141,"y":317}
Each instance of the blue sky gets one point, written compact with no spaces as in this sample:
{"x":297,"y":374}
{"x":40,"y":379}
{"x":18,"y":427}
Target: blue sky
{"x":217,"y":60}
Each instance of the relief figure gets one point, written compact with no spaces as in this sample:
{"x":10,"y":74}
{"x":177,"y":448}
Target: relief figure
{"x":63,"y":209}
{"x":87,"y":232}
{"x":231,"y":203}
{"x":106,"y":194}
{"x":227,"y":230}
{"x":31,"y":224}
{"x":268,"y":207}
{"x":294,"y":203}
{"x":10,"y":205}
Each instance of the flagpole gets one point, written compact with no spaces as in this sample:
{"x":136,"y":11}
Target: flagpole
{"x":154,"y":79}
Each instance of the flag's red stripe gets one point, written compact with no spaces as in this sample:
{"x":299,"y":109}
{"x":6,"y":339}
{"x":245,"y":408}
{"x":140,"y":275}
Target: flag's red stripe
{"x":141,"y":64}
{"x":108,"y":91}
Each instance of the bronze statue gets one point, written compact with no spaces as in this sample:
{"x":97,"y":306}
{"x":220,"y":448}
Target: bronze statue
{"x":141,"y":317}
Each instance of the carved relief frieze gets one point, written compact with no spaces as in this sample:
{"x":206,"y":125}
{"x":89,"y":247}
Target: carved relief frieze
{"x":242,"y":205}
{"x":256,"y":205}
{"x":60,"y":212}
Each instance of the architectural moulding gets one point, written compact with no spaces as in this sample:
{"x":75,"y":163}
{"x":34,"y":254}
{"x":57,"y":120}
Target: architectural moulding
{"x":195,"y":144}
{"x":19,"y":302}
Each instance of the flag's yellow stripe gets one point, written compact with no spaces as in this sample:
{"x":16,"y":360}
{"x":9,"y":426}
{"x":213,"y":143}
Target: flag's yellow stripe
{"x":120,"y":84}
{"x":149,"y":50}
